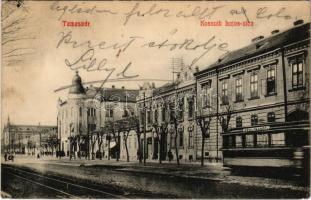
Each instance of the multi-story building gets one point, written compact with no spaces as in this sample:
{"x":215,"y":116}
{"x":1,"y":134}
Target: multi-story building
{"x":171,"y":114}
{"x":258,"y":99}
{"x":83,"y":116}
{"x":29,"y":139}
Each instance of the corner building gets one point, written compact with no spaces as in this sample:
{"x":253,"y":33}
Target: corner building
{"x":260,"y":94}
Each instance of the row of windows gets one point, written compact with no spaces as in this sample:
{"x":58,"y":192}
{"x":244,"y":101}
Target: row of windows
{"x":170,"y":115}
{"x":254,"y":140}
{"x":268,"y":85}
{"x":254,"y":119}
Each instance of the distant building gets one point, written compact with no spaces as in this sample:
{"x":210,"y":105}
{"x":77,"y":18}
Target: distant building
{"x":83,"y":116}
{"x":29,"y":139}
{"x":260,"y":96}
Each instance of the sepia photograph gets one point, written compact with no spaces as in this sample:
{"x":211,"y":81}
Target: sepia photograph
{"x":155,"y":99}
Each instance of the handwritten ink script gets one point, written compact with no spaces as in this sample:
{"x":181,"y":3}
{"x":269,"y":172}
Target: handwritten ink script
{"x":93,"y":56}
{"x":188,"y":11}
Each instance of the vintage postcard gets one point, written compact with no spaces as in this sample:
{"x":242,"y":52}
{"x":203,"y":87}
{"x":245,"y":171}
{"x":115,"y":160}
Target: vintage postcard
{"x":155,"y":99}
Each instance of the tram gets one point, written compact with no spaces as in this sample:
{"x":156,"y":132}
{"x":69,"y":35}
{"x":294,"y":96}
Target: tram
{"x":278,"y":145}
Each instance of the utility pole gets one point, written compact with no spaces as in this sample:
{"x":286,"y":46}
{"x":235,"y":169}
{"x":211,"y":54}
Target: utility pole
{"x":144,"y":128}
{"x":217,"y":111}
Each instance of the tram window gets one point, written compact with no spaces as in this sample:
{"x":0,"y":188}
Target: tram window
{"x":231,"y":141}
{"x":238,"y":141}
{"x":249,"y":140}
{"x":262,"y":140}
{"x":278,"y":139}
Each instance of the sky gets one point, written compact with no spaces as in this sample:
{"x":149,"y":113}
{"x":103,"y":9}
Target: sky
{"x":121,"y":34}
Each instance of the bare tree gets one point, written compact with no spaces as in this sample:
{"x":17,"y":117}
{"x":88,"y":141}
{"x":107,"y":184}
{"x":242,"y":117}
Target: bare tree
{"x":204,"y":124}
{"x":175,"y":123}
{"x":100,"y":136}
{"x":136,"y":125}
{"x":225,"y":116}
{"x":126,"y":132}
{"x":93,"y":142}
{"x":161,"y":131}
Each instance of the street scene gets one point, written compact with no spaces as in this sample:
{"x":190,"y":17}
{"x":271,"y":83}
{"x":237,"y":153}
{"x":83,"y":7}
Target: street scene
{"x":197,"y":119}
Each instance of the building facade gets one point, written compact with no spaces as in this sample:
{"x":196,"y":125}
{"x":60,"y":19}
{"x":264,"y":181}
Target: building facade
{"x":171,"y":112}
{"x":258,"y":98}
{"x":83,"y":116}
{"x":29,"y":139}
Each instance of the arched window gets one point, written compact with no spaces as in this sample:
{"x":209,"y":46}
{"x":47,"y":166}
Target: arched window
{"x":80,"y":111}
{"x":181,"y":137}
{"x":239,"y":122}
{"x":271,"y":117}
{"x":254,"y":120}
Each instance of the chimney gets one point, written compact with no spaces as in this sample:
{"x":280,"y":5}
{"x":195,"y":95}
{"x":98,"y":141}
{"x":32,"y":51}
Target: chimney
{"x":113,"y":87}
{"x":256,"y":39}
{"x":298,"y":22}
{"x":274,"y":32}
{"x":123,"y":87}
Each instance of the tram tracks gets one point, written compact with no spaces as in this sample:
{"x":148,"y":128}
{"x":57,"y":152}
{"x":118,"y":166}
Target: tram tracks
{"x":65,"y":187}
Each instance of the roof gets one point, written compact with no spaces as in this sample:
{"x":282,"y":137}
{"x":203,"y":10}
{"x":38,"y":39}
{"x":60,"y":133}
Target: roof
{"x":292,"y":35}
{"x":113,"y":94}
{"x":77,"y":87}
{"x":164,"y":88}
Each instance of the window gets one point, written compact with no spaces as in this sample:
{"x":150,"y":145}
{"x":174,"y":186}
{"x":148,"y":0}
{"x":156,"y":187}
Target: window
{"x":238,"y":89}
{"x":80,"y":111}
{"x":190,"y":145}
{"x":156,"y":115}
{"x":254,"y":85}
{"x":80,"y":127}
{"x":181,"y":137}
{"x":224,"y":93}
{"x":278,"y":139}
{"x":231,"y":141}
{"x":297,"y":72}
{"x":254,"y":120}
{"x":163,"y":114}
{"x":91,"y":112}
{"x":271,"y":80}
{"x":262,"y":140}
{"x":172,"y":142}
{"x":238,"y":141}
{"x":181,"y":109}
{"x":205,"y":94}
{"x":271,"y":117}
{"x":172,"y":111}
{"x":109,"y":113}
{"x":249,"y":141}
{"x":125,"y":113}
{"x":238,"y":122}
{"x":190,"y":107}
{"x":148,"y":116}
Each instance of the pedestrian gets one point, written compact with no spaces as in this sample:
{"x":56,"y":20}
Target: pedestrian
{"x":38,"y":156}
{"x":5,"y":156}
{"x":12,"y":158}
